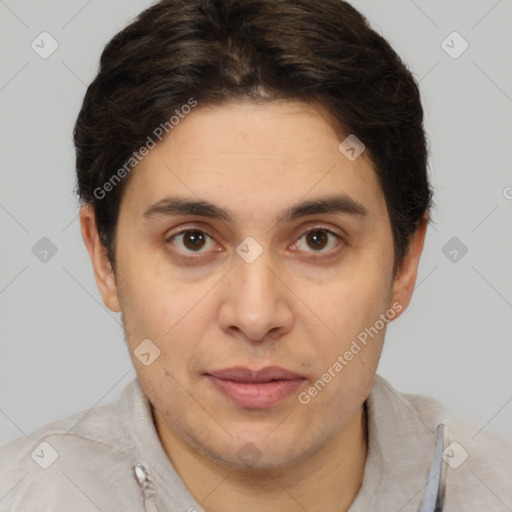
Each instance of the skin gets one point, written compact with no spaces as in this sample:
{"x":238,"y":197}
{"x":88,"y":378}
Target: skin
{"x":298,"y":305}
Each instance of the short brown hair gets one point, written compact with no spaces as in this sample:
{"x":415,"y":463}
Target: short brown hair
{"x":222,"y":50}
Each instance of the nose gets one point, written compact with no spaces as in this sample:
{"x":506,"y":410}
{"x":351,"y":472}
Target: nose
{"x":256,"y":302}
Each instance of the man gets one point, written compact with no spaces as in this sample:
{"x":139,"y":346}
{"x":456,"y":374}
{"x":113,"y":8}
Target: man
{"x":255,"y":200}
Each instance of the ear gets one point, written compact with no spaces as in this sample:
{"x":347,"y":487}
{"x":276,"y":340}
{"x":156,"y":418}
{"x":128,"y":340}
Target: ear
{"x":405,"y":279}
{"x":103,"y":272}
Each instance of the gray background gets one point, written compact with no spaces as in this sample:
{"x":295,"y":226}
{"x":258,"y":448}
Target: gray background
{"x":63,"y":352}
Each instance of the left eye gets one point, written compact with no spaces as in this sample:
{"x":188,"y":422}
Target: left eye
{"x":318,"y":239}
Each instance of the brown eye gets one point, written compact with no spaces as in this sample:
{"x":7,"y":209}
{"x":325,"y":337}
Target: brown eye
{"x":317,"y":239}
{"x":191,"y":240}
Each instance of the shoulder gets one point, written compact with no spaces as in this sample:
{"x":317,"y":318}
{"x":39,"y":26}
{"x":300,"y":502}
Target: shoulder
{"x":76,"y":462}
{"x":477,"y":464}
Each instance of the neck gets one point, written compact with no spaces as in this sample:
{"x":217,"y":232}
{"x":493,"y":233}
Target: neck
{"x":329,"y":479}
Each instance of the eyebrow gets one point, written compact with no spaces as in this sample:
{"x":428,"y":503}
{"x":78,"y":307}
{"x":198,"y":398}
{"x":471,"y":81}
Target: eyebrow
{"x":339,"y":204}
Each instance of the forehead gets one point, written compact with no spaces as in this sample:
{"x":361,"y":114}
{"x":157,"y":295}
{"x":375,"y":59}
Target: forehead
{"x":254,"y":159}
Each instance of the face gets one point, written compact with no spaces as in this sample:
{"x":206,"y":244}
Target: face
{"x":285,"y":262}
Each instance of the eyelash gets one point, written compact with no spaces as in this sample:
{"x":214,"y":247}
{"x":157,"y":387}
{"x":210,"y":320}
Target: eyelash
{"x":192,"y":255}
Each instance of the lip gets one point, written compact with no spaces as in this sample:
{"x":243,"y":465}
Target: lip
{"x":255,"y":389}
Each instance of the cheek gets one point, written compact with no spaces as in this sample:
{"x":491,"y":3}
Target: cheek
{"x":350,"y":306}
{"x":345,"y":366}
{"x":151,"y":294}
{"x":353,"y":302}
{"x":169,"y":312}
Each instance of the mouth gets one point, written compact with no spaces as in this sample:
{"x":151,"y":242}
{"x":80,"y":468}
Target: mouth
{"x":255,"y":389}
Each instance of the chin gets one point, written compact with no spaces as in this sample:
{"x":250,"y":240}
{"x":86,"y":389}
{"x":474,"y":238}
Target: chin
{"x":259,"y":452}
